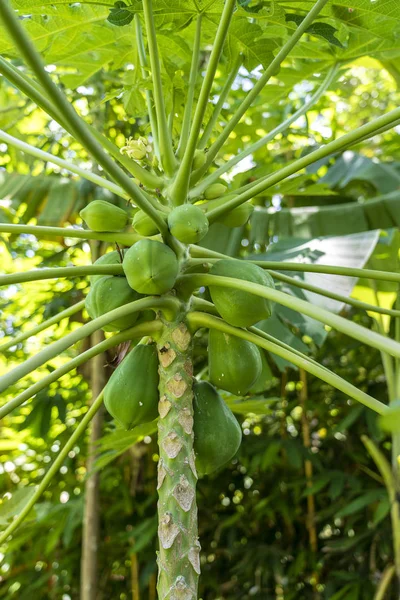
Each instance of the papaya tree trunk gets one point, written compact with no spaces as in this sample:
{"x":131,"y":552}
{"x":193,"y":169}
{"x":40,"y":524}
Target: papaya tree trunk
{"x":179,"y":547}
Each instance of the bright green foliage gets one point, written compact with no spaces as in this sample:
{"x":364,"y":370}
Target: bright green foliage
{"x":188,"y":223}
{"x":236,"y":307}
{"x":110,"y":258}
{"x":131,"y":394}
{"x":217,"y":434}
{"x":214,"y":190}
{"x":143,"y":224}
{"x":150,"y":267}
{"x":100,"y":215}
{"x":108,"y":293}
{"x":234,"y":364}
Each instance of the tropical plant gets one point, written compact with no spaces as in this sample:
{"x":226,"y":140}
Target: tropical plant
{"x":167,"y":281}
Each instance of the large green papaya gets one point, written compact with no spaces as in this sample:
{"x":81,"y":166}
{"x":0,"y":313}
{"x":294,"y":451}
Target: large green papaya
{"x":234,"y":364}
{"x":131,"y":394}
{"x":150,"y":267}
{"x":100,"y":215}
{"x":111,"y":258}
{"x":238,"y":308}
{"x":108,"y":293}
{"x":217,"y":434}
{"x":143,"y":224}
{"x":188,"y":223}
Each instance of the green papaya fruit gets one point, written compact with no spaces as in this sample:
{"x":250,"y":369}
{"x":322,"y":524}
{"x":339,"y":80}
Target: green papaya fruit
{"x":217,"y":434}
{"x":100,"y":215}
{"x":234,"y":364}
{"x":238,"y":308}
{"x":143,"y":224}
{"x":238,"y":216}
{"x":150,"y":267}
{"x":111,"y":258}
{"x":108,"y":293}
{"x":188,"y":223}
{"x":131,"y":393}
{"x":199,"y":159}
{"x":215,"y":190}
{"x":265,"y":380}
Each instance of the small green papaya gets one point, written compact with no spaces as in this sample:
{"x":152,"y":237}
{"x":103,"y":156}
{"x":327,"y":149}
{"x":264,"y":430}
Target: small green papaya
{"x":110,"y":258}
{"x":215,"y":190}
{"x":108,"y":293}
{"x":131,"y":393}
{"x":238,"y":308}
{"x":188,"y":223}
{"x":217,"y":434}
{"x":234,"y":364}
{"x":238,"y":216}
{"x":199,"y":159}
{"x":143,"y":224}
{"x":100,"y":215}
{"x":150,"y":267}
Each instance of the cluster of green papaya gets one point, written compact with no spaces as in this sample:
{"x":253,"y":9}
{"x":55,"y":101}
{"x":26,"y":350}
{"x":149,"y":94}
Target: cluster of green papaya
{"x":131,"y":397}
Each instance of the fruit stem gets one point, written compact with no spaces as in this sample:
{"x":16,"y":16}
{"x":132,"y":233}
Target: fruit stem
{"x":179,"y":547}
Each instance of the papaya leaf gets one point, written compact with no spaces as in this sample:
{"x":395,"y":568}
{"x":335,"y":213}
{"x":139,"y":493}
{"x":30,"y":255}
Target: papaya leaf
{"x":120,"y":14}
{"x":12,"y":506}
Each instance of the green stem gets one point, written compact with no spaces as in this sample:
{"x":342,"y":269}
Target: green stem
{"x":64,"y":314}
{"x":390,"y":482}
{"x":363,"y":335}
{"x":272,"y":69}
{"x":199,"y":189}
{"x":387,"y":361}
{"x":47,"y":157}
{"x":77,"y":125}
{"x":141,"y":330}
{"x":58,"y":272}
{"x":166,"y":151}
{"x":52,"y":472}
{"x":299,"y":164}
{"x":149,"y":100}
{"x":194,"y":68}
{"x":179,"y":547}
{"x":180,"y":186}
{"x":197,"y":320}
{"x":199,"y":252}
{"x":384,"y":583}
{"x":167,"y":304}
{"x":198,"y":304}
{"x":221,"y":101}
{"x":125,"y":239}
{"x":34,"y":91}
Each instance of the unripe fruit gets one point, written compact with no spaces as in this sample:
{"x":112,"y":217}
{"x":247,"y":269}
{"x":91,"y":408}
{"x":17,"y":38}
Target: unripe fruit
{"x":111,"y":258}
{"x":188,"y":223}
{"x":199,"y":159}
{"x":100,"y":215}
{"x":143,"y":224}
{"x":238,"y":308}
{"x":215,"y":191}
{"x":238,"y":216}
{"x":150,"y":267}
{"x":217,"y":434}
{"x":234,"y":364}
{"x":108,"y":293}
{"x":131,"y":394}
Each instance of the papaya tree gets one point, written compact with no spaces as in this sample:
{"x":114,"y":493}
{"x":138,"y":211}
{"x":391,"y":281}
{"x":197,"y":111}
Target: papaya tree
{"x":160,"y":285}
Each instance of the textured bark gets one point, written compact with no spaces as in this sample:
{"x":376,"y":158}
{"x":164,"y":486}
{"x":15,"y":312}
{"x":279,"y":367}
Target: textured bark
{"x":91,"y":518}
{"x":179,"y":547}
